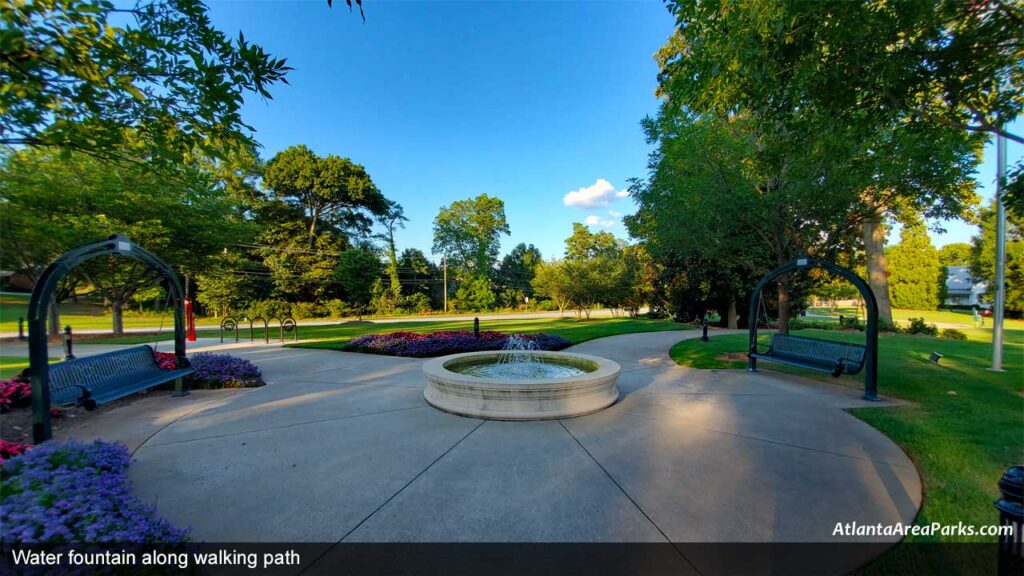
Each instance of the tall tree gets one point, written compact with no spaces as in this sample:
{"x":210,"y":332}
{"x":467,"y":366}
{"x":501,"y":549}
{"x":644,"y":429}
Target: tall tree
{"x":945,"y":62}
{"x":333,"y":193}
{"x":585,"y":244}
{"x":809,"y":70}
{"x":955,"y":254}
{"x":469,"y":233}
{"x":357,"y":272}
{"x":53,"y":204}
{"x":983,"y":257}
{"x":519,"y":266}
{"x":551,"y":281}
{"x":916,"y":274}
{"x":154,"y":79}
{"x":392,"y":219}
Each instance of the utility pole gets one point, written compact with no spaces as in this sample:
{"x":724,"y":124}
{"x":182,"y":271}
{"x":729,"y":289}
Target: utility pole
{"x":444,"y":265}
{"x":1000,"y":303}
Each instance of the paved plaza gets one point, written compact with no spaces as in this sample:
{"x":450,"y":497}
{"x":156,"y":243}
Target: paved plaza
{"x":342,"y":447}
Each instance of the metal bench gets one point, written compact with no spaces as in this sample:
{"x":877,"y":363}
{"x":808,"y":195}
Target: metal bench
{"x":836,"y":358}
{"x":106,"y":377}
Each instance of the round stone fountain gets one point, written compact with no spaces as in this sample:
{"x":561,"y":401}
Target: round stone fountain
{"x":520,"y":383}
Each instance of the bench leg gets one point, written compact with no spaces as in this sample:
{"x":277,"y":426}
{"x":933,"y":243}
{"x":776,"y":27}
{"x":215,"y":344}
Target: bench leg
{"x":179,"y":388}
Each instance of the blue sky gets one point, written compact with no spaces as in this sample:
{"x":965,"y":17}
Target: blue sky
{"x":446,"y":100}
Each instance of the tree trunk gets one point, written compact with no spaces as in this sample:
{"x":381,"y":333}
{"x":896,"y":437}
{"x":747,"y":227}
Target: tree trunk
{"x":784,"y":304}
{"x":53,"y":322}
{"x":116,"y":307}
{"x":878,"y":272}
{"x":732,"y":319}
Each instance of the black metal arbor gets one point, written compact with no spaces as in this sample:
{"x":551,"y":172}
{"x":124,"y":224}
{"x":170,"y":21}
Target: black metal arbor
{"x":871,"y":330}
{"x":40,"y":300}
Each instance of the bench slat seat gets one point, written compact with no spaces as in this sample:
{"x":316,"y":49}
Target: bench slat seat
{"x":106,"y":377}
{"x":828,"y":356}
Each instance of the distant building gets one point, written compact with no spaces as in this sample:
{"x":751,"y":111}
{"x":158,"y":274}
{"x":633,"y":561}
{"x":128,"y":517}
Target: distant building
{"x":962,"y":289}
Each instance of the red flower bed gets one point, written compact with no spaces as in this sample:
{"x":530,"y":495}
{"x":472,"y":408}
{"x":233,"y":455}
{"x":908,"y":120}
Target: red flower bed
{"x":14,"y":393}
{"x":9,"y":449}
{"x":442,"y":343}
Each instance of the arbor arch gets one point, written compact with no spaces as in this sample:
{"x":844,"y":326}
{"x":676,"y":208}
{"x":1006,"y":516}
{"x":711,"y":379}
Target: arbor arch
{"x":42,"y":293}
{"x":871,"y":330}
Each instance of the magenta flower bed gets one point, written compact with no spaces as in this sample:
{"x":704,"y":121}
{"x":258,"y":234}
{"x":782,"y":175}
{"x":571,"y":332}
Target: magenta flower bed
{"x":68,"y":492}
{"x":442,"y":343}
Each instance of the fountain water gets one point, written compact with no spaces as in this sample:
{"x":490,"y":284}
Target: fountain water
{"x":520,"y":359}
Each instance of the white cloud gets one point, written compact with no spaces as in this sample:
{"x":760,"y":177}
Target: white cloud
{"x":614,"y":214}
{"x":597,"y":195}
{"x":594,"y":220}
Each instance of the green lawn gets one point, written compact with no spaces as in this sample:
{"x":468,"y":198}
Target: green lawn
{"x":902,"y":316}
{"x":13,"y":365}
{"x":961,"y":443}
{"x":335,"y":336}
{"x":83,"y":315}
{"x":573,"y":330}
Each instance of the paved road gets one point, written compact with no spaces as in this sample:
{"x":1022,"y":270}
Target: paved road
{"x":341,"y":447}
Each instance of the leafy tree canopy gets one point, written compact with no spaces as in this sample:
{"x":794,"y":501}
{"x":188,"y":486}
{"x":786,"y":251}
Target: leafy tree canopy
{"x":585,"y":244}
{"x":983,"y":256}
{"x":357,"y":272}
{"x":469,"y":233}
{"x":332,"y":192}
{"x":916,"y":275}
{"x":154,"y":79}
{"x":518,"y":267}
{"x":955,"y":254}
{"x":942,"y":62}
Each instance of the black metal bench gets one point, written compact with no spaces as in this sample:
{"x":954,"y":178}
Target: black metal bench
{"x":835,"y":358}
{"x":106,"y":377}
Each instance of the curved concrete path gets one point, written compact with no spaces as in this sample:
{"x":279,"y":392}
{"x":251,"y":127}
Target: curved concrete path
{"x":342,"y":447}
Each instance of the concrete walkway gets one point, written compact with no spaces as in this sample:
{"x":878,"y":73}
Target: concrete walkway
{"x":342,"y":447}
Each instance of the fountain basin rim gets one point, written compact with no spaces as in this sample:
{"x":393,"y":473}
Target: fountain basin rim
{"x":602,"y":368}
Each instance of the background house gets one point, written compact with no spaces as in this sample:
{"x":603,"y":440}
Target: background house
{"x":962,"y":289}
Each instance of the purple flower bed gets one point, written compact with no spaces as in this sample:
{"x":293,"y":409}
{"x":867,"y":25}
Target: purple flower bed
{"x":442,"y":343}
{"x":223,"y":371}
{"x":64,"y":492}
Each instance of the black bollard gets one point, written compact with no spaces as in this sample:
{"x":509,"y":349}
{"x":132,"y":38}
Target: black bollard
{"x":21,"y":328}
{"x":704,"y":337}
{"x":476,"y":327}
{"x":68,"y":355}
{"x":1011,"y":519}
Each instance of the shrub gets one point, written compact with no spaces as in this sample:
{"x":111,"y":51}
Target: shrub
{"x":337,"y":308}
{"x":306,"y":310}
{"x":953,"y":334}
{"x":657,"y":313}
{"x":919,"y":326}
{"x":224,"y":371}
{"x":544,"y":305}
{"x":73,"y":492}
{"x":418,"y":303}
{"x":268,"y":309}
{"x":853,"y":322}
{"x":473,"y":295}
{"x":442,"y":343}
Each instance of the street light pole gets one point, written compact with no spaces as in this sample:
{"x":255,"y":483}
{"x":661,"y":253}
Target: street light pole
{"x":1000,"y":279}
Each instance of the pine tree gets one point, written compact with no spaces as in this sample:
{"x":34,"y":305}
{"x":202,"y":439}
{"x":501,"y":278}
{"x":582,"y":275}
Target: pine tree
{"x":915,"y":272}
